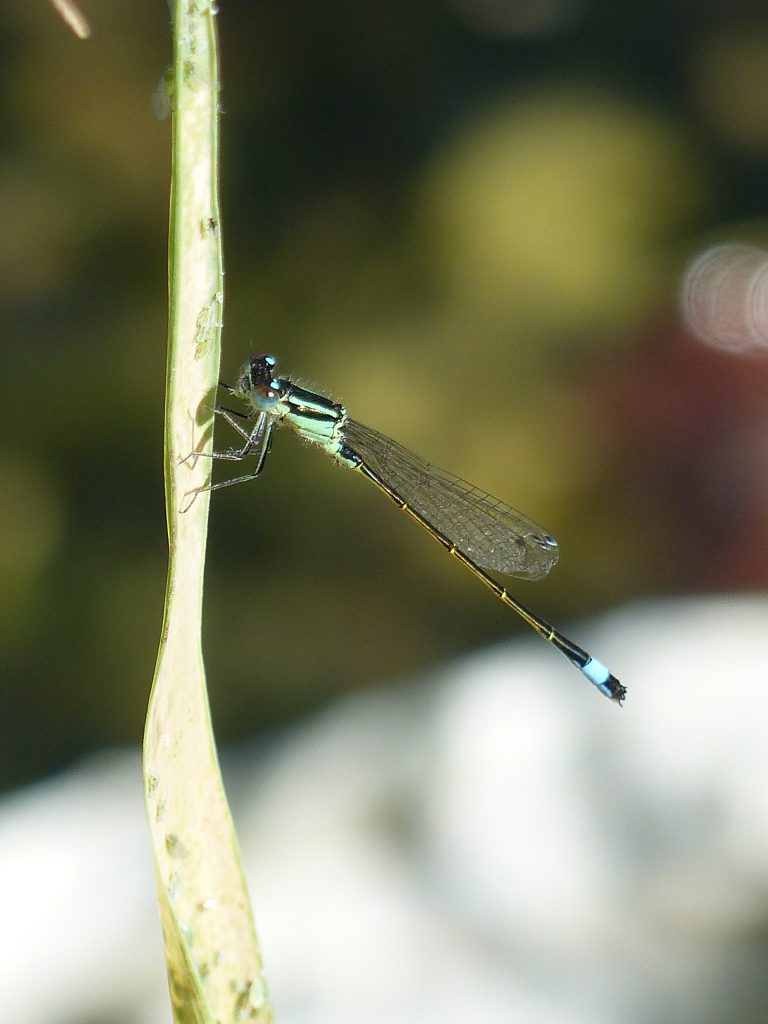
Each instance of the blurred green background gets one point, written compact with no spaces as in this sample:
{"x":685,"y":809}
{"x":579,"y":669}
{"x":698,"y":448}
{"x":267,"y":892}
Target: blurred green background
{"x":467,"y":221}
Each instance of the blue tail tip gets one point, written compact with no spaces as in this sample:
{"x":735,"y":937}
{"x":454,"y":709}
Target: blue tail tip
{"x":606,"y":682}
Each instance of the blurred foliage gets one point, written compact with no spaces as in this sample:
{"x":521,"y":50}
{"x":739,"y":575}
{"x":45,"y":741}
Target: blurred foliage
{"x":467,"y":221}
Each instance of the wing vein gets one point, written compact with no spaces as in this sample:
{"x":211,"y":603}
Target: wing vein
{"x":496,"y":536}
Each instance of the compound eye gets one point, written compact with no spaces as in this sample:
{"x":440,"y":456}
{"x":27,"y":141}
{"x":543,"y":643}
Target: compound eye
{"x":265,"y":397}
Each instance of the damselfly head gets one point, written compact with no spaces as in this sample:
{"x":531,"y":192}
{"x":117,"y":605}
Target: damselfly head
{"x":254,"y":374}
{"x":256,"y":383}
{"x":260,"y":368}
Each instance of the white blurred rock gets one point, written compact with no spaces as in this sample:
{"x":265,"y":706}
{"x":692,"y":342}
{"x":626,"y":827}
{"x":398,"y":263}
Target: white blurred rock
{"x":498,"y":843}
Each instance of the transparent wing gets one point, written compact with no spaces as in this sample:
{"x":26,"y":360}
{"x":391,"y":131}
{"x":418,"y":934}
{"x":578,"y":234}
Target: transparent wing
{"x":496,"y":536}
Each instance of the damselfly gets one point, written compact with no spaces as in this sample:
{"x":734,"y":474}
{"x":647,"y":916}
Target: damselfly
{"x":477,"y":529}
